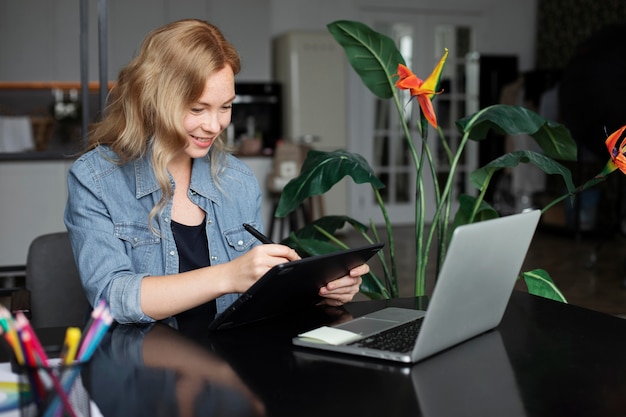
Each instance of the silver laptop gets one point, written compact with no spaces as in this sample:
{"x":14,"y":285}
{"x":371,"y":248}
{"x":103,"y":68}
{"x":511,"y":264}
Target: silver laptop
{"x":470,"y":296}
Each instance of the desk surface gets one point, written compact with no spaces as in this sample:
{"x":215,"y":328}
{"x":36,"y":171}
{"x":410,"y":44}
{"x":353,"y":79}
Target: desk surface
{"x":545,"y":359}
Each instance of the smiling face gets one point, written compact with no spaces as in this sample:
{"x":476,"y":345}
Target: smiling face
{"x":210,"y":114}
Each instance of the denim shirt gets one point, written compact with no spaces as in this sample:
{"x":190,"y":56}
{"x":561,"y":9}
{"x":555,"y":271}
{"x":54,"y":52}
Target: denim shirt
{"x":107,"y":220}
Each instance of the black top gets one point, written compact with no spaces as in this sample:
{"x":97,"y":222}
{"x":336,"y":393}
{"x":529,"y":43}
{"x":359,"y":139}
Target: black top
{"x":193,"y":253}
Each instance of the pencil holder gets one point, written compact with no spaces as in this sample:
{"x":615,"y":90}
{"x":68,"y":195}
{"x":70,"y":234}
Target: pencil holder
{"x":53,"y":391}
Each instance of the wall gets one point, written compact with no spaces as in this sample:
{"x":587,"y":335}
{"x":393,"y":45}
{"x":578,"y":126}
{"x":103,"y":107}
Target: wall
{"x":513,"y":18}
{"x":556,"y":44}
{"x":44,"y":45}
{"x":27,"y":213}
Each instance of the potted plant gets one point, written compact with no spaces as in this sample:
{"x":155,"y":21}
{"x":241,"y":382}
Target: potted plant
{"x":381,"y":67}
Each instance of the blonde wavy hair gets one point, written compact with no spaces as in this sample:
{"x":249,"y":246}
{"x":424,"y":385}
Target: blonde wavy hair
{"x":156,"y":89}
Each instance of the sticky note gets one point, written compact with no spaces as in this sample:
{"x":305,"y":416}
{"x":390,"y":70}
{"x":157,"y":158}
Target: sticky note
{"x":329,"y":335}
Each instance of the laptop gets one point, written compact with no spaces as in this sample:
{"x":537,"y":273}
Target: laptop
{"x":291,"y":285}
{"x":472,"y":379}
{"x":470,"y":296}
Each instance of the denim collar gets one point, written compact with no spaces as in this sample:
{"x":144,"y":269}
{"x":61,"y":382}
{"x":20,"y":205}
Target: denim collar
{"x":145,"y":180}
{"x":201,"y":180}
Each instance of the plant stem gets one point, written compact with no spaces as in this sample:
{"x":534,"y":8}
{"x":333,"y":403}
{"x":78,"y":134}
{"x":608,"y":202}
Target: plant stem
{"x":419,"y":208}
{"x":443,"y":200}
{"x":594,"y":181}
{"x":381,"y":256}
{"x":392,"y":253}
{"x":441,"y":235}
{"x":479,"y":199}
{"x":446,"y":197}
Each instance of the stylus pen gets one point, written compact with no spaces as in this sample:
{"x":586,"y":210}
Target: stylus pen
{"x":262,"y":238}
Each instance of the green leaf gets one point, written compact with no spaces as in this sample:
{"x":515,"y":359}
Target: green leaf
{"x":466,"y":207}
{"x":540,"y":283}
{"x":373,"y":288}
{"x":480,"y":178}
{"x":374,"y":56}
{"x":329,"y":223}
{"x":312,"y":247}
{"x":553,"y":138}
{"x":464,"y":213}
{"x":320,"y":171}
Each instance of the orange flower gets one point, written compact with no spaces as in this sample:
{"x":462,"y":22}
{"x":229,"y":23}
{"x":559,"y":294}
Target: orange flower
{"x":616,"y":150}
{"x":423,"y":90}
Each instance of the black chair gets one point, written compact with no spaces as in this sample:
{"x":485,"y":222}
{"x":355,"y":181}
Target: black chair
{"x":54,"y":296}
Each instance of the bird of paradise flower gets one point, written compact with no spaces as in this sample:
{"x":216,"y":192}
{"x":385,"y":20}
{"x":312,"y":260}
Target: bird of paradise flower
{"x":423,"y":90}
{"x":617,"y":151}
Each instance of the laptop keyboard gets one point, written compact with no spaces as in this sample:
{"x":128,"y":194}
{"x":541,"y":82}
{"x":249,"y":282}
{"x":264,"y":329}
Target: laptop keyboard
{"x":397,"y":339}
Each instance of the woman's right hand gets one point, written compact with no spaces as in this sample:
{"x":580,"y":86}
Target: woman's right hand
{"x":248,"y":268}
{"x":167,"y":295}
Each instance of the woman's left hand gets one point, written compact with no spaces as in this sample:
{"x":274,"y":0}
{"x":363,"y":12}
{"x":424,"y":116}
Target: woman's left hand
{"x":343,"y":290}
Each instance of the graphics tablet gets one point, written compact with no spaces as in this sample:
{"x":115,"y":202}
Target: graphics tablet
{"x":292,"y":285}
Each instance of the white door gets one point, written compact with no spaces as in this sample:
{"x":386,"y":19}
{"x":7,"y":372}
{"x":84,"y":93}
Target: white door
{"x":422,"y":39}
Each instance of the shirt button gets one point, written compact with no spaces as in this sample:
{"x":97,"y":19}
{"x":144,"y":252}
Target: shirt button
{"x":214,"y":258}
{"x":209,"y":221}
{"x":240,"y":242}
{"x":172,"y":253}
{"x":166,"y":220}
{"x":135,"y":239}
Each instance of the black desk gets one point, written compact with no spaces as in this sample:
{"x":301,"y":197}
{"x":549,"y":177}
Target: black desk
{"x":545,"y":359}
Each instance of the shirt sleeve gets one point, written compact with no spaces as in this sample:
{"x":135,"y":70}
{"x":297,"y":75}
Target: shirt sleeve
{"x":105,"y":269}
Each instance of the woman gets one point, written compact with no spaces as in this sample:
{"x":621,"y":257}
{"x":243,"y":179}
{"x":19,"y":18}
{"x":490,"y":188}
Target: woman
{"x":156,"y":206}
